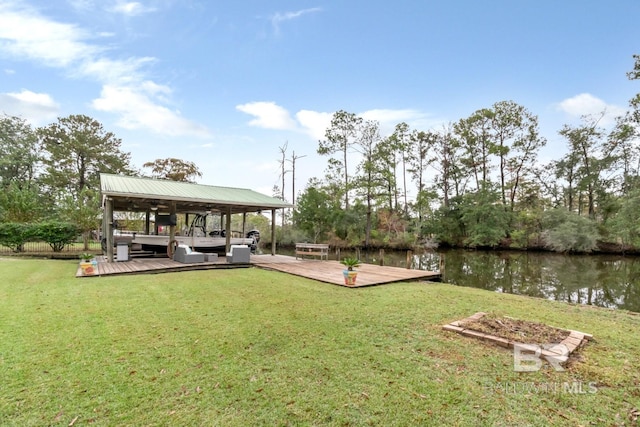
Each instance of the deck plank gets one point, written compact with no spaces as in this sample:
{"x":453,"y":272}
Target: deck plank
{"x":323,"y":271}
{"x":331,"y":271}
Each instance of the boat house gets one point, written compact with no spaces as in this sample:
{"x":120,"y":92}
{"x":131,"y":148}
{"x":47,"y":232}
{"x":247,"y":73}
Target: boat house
{"x":166,"y":199}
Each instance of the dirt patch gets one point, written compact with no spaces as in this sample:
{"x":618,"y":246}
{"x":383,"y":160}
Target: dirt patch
{"x":520,"y":331}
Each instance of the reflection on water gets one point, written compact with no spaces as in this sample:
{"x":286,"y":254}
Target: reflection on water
{"x":600,"y":280}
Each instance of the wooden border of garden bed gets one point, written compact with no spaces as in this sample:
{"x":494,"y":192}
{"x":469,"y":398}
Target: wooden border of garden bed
{"x":572,"y":342}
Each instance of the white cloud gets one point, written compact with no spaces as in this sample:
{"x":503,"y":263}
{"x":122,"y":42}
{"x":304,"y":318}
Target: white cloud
{"x":586,"y":104}
{"x":139,"y":103}
{"x":388,"y":119}
{"x":130,"y":8}
{"x":36,"y":108}
{"x":137,"y":109}
{"x":268,"y":115}
{"x":82,"y":4}
{"x":112,"y":71}
{"x":26,"y":35}
{"x":314,"y":123}
{"x":386,"y":115}
{"x":278,"y":18}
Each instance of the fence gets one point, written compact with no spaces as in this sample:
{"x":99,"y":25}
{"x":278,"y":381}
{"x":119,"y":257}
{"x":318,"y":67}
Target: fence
{"x":43,"y":248}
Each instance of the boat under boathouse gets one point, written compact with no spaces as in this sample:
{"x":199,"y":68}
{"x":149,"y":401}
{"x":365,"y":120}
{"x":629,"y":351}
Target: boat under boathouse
{"x":162,"y":200}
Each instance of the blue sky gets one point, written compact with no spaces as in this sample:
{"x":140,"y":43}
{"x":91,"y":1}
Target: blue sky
{"x":225,"y":84}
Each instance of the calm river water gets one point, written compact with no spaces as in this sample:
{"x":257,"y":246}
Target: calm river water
{"x":600,"y":280}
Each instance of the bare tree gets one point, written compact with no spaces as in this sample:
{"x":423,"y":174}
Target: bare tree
{"x":293,"y":175}
{"x":283,"y":172}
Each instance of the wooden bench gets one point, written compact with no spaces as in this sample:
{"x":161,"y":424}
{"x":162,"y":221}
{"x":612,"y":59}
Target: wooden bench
{"x":312,"y":249}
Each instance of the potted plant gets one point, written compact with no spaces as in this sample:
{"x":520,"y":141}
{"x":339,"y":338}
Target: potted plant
{"x":86,"y":256}
{"x":350,"y":274}
{"x":87,"y":263}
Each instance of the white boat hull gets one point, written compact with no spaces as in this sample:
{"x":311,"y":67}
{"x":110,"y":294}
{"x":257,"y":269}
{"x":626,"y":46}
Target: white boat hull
{"x":201,"y":244}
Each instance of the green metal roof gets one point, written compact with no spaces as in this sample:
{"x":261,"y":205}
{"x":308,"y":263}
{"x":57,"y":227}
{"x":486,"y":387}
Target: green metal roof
{"x":133,"y":193}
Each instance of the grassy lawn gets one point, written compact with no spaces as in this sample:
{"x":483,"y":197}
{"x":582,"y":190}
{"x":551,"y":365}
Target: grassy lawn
{"x":251,"y":347}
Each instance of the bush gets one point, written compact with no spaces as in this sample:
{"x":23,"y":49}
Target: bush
{"x":626,"y":223}
{"x":15,"y":234}
{"x":485,"y":220}
{"x":566,"y":231}
{"x":57,"y":234}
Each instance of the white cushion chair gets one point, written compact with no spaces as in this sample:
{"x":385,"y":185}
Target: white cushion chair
{"x":239,"y":254}
{"x":184,"y":254}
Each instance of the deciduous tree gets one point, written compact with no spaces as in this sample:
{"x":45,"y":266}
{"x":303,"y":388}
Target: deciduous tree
{"x":485,"y":220}
{"x":566,"y":231}
{"x":635,"y":101}
{"x":174,"y":169}
{"x":591,"y":157}
{"x":339,"y":138}
{"x":314,"y":211}
{"x":19,"y":154}
{"x":78,"y":149}
{"x":477,"y":145}
{"x":516,"y":143}
{"x":368,"y":180}
{"x":20,"y":203}
{"x":401,"y":137}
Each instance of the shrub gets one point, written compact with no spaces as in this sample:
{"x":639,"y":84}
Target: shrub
{"x":566,"y":231}
{"x":57,"y":234}
{"x":15,"y":234}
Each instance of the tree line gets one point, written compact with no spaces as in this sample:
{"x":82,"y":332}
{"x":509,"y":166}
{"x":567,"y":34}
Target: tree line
{"x":51,"y":175}
{"x":476,"y":183}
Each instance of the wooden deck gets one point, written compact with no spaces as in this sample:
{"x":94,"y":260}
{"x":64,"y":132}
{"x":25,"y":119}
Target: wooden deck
{"x":331,"y":271}
{"x":154,"y":266}
{"x":323,"y":271}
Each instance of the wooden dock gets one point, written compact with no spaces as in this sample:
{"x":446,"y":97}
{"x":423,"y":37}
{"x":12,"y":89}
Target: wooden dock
{"x":331,"y":271}
{"x":154,"y":265}
{"x":323,"y":271}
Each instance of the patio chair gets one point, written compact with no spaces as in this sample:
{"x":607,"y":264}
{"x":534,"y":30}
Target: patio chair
{"x":239,"y":254}
{"x":184,"y":254}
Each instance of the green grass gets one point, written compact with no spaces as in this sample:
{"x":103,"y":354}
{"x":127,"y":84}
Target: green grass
{"x":251,"y":347}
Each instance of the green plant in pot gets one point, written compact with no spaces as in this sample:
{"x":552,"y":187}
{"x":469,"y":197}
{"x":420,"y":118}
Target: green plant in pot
{"x":86,"y":257}
{"x":87,"y":263}
{"x":350,"y":274}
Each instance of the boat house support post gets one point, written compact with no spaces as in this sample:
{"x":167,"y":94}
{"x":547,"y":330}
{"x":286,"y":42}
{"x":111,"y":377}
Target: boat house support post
{"x":108,"y":231}
{"x":273,"y":232}
{"x":172,"y":228}
{"x":244,"y":224}
{"x":227,"y":232}
{"x":147,"y":222}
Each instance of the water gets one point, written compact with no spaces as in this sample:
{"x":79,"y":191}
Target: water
{"x":599,"y":280}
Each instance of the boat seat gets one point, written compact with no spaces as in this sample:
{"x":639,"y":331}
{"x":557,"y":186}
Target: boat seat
{"x":239,"y":254}
{"x":184,"y":254}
